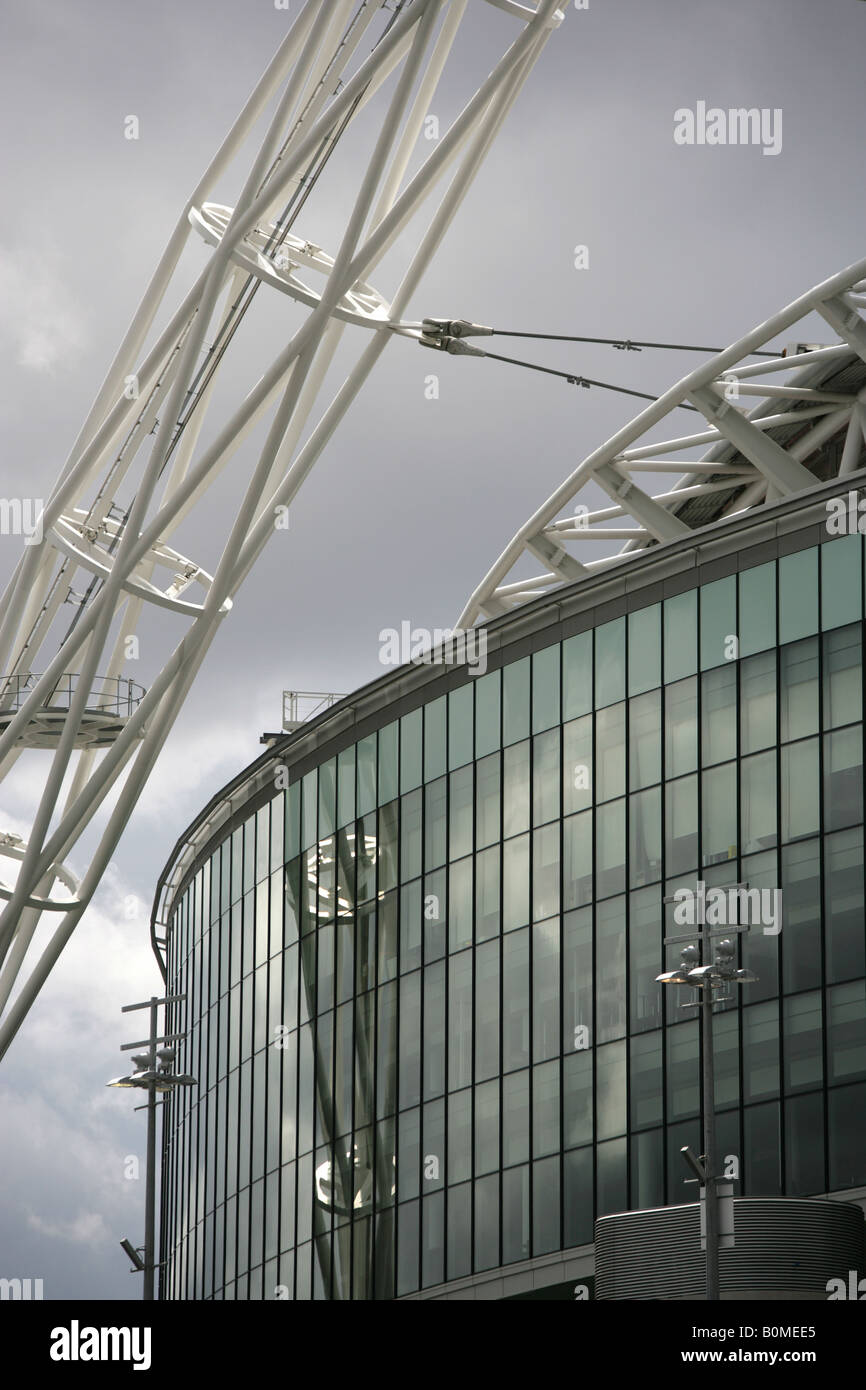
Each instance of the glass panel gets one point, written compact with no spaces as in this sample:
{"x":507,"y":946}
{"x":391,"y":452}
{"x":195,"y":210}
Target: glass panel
{"x":847,"y":1162}
{"x":645,"y":828}
{"x":757,"y":625}
{"x":681,"y":821}
{"x":460,"y":730}
{"x":515,"y":701}
{"x":726,"y":1048}
{"x":345,"y":787}
{"x":718,"y":622}
{"x":577,"y":765}
{"x":577,"y":675}
{"x":487,"y":1222}
{"x":610,"y":1090}
{"x":610,"y":848}
{"x":758,"y":702}
{"x":366,"y":774}
{"x":760,"y":1051}
{"x":719,"y":820}
{"x":800,"y":789}
{"x":644,"y":716}
{"x":545,"y":1109}
{"x":515,"y":1001}
{"x":487,"y":916}
{"x":576,"y":860}
{"x":545,"y":689}
{"x":435,"y":715}
{"x":515,"y":1118}
{"x":610,"y":994}
{"x":577,"y":1010}
{"x":610,"y":752}
{"x":487,"y":801}
{"x":645,"y":959}
{"x":647,"y":1099}
{"x":719,"y":715}
{"x":681,"y":728}
{"x":803,"y":1026}
{"x":388,"y":747}
{"x":647,"y":1176}
{"x":804,"y":1145}
{"x":683,"y":1071}
{"x":460,"y":1020}
{"x":515,"y":791}
{"x":798,"y":689}
{"x":488,"y":733}
{"x":758,"y":802}
{"x":610,"y":1163}
{"x":435,"y":916}
{"x":577,"y":1201}
{"x":411,"y":926}
{"x":546,"y":1031}
{"x":798,"y":595}
{"x":801,"y":896}
{"x":387,"y":847}
{"x":762,"y":1151}
{"x":545,"y":872}
{"x":515,"y":1215}
{"x":515,"y":883}
{"x":487,"y":1011}
{"x":843,"y":890}
{"x":459,"y":1137}
{"x":841,"y":586}
{"x":577,"y":1097}
{"x":410,"y":750}
{"x":546,"y":775}
{"x":846,"y":1034}
{"x":644,"y":649}
{"x":435,"y":802}
{"x":843,"y":677}
{"x":434,"y":1031}
{"x":410,"y":838}
{"x":545,"y":1206}
{"x":610,"y":662}
{"x":460,"y":905}
{"x":487,"y":1127}
{"x":460,"y":813}
{"x":459,"y":1252}
{"x":680,"y":635}
{"x":843,"y":778}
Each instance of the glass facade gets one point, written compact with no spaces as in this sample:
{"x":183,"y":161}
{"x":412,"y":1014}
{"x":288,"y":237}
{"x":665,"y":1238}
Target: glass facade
{"x":421,"y":997}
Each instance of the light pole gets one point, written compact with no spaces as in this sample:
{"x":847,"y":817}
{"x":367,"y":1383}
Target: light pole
{"x":153,"y":1073}
{"x":707,"y":976}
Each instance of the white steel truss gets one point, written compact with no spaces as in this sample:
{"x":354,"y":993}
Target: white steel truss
{"x":135,"y":471}
{"x":767,"y":440}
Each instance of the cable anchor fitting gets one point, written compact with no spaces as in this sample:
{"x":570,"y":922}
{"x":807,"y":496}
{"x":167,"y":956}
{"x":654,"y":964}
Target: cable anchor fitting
{"x":455,"y":328}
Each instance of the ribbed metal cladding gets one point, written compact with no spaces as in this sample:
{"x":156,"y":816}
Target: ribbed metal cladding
{"x":782,"y":1246}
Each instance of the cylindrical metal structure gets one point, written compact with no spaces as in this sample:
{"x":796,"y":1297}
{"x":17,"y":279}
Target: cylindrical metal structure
{"x":785,"y":1249}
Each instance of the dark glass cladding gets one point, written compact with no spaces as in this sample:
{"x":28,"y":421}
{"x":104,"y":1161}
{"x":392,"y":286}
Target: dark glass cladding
{"x":420,"y":983}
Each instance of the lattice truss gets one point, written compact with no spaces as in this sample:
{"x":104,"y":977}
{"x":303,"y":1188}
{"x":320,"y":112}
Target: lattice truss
{"x":767,"y":440}
{"x":136,"y":470}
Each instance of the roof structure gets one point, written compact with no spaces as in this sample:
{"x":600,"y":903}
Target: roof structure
{"x":772,"y":428}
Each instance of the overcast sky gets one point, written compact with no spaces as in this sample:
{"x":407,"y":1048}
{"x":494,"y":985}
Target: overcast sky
{"x":414,"y":498}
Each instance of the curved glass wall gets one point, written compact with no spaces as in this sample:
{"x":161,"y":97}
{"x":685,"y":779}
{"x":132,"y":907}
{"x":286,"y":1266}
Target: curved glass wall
{"x":420,"y":981}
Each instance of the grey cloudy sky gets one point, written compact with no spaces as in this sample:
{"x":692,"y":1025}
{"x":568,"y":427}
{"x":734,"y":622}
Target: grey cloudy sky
{"x":414,"y":498}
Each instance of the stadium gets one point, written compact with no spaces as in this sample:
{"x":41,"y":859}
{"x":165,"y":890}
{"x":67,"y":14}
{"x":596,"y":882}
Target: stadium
{"x":419,"y":938}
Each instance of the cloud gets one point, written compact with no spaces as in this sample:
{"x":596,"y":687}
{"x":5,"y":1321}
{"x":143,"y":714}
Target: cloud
{"x":42,"y":323}
{"x":87,"y":1229}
